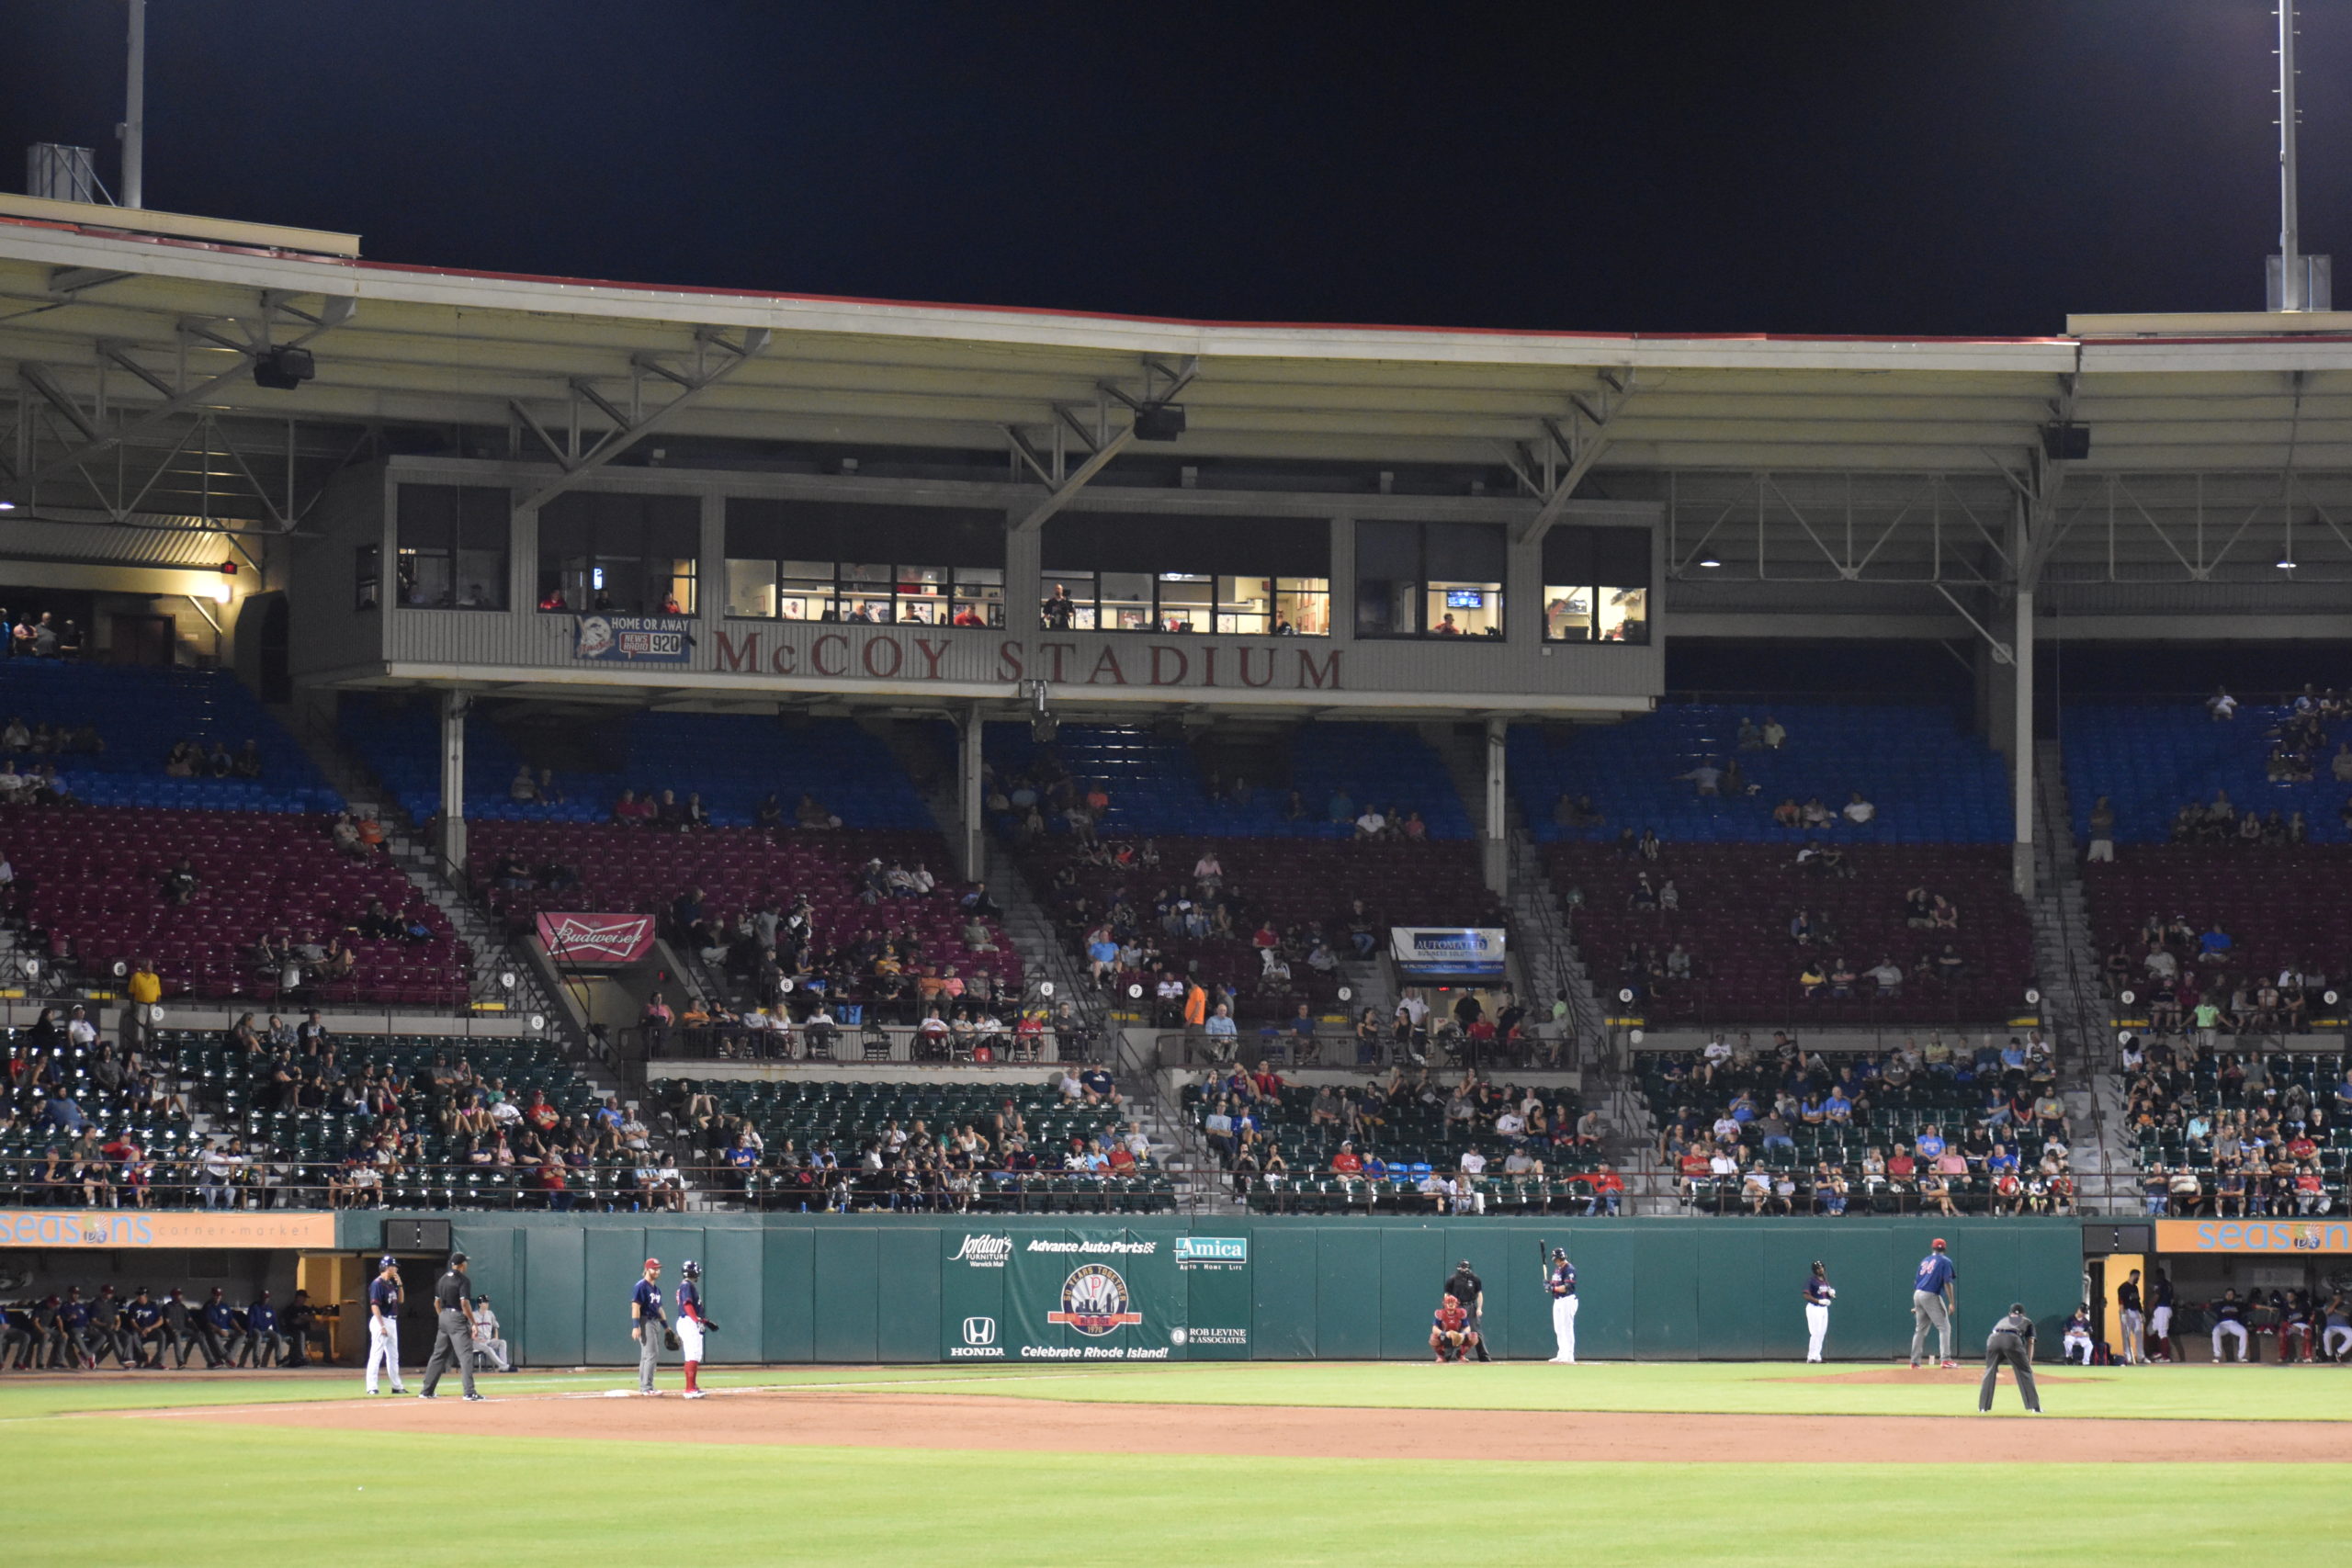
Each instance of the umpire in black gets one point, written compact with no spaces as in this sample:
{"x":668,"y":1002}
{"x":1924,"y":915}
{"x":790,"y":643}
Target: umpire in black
{"x":2011,"y":1341}
{"x":454,"y":1337}
{"x":1464,"y":1286}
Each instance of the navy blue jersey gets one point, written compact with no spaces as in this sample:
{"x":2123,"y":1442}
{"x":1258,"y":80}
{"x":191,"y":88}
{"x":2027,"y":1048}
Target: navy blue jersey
{"x":216,"y":1315}
{"x":261,"y":1317}
{"x":689,"y":1300}
{"x":648,"y":1297}
{"x":1935,"y":1272}
{"x":145,"y":1315}
{"x":1816,"y":1290}
{"x":74,"y":1315}
{"x":2229,"y":1312}
{"x":1562,"y":1280}
{"x":386,"y":1294}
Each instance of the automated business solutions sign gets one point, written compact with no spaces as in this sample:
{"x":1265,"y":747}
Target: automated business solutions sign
{"x":1023,"y":1294}
{"x":1448,"y":953}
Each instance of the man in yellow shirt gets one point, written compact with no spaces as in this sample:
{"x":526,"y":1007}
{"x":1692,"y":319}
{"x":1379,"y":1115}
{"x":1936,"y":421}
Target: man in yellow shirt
{"x":146,"y":992}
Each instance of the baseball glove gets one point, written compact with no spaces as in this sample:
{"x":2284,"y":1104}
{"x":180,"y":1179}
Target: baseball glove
{"x":708,"y":1327}
{"x":669,"y":1336}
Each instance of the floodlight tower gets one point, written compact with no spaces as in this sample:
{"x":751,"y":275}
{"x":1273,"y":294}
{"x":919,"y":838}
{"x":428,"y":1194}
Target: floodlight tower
{"x":133,"y":129}
{"x":2297,"y":282}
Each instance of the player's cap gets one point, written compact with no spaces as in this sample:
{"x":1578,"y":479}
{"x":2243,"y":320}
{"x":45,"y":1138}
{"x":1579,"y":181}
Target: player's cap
{"x":1450,"y":1300}
{"x":455,"y":1258}
{"x":1940,"y":1243}
{"x":1463,"y":1266}
{"x":385,"y":1262}
{"x":2018,"y":1307}
{"x":653,"y":1263}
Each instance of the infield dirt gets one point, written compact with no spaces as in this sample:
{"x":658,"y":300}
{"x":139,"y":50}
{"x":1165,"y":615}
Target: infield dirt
{"x":845,"y":1419}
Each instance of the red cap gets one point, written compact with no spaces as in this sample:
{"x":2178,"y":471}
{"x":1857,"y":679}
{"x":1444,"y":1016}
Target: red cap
{"x":656,"y":1263}
{"x":1940,"y":1243}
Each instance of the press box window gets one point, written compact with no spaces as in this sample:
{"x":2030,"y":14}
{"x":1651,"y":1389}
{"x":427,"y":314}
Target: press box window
{"x":632,"y":555}
{"x":1597,"y":585}
{"x":1232,"y":576}
{"x":875,"y":564}
{"x":450,"y":546}
{"x":1429,"y":579}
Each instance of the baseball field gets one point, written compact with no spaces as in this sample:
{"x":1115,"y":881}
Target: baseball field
{"x":1748,"y":1463}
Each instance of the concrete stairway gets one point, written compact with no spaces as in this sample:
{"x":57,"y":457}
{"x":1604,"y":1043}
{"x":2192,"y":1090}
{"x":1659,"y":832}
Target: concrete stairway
{"x":2074,"y":1007}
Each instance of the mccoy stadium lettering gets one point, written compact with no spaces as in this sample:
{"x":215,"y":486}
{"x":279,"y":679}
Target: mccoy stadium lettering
{"x":896,"y":655}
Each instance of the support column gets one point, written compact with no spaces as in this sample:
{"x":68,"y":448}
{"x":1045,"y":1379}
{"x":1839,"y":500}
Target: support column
{"x":972,"y":850}
{"x":452,"y":777}
{"x":2022,"y":751}
{"x":1495,"y":847}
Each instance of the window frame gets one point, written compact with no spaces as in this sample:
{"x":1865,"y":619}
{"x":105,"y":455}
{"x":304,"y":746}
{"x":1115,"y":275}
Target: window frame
{"x":476,"y":511}
{"x":580,"y":571}
{"x":1418,"y":591}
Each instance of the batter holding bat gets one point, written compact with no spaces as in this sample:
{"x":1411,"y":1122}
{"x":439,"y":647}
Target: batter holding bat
{"x":1818,"y":1294}
{"x":1560,"y":1284}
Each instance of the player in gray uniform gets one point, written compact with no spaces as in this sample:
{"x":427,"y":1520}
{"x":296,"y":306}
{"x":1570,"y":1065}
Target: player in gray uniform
{"x":2011,"y":1341}
{"x":1933,"y":1300}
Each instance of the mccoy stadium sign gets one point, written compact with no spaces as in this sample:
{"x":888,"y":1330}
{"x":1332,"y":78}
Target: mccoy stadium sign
{"x":899,"y":654}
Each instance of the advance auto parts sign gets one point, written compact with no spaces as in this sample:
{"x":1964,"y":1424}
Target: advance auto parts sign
{"x":1059,"y":1295}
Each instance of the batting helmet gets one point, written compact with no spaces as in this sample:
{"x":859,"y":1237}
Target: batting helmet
{"x":1450,"y":1300}
{"x":1560,"y":1254}
{"x":690,"y":1269}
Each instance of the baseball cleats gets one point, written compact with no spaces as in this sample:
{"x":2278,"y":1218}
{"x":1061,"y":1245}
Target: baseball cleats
{"x":473,"y":1399}
{"x":697,"y":1394}
{"x":1951,"y":1365}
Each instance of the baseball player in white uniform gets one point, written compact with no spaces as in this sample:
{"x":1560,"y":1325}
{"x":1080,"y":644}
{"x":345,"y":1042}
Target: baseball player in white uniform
{"x":693,"y":1323}
{"x":1818,"y":1294}
{"x":384,"y":1326}
{"x":1560,"y":1281}
{"x":2077,"y":1336}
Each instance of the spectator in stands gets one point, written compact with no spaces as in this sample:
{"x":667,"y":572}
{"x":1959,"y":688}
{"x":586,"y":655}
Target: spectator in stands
{"x":1776,"y":734}
{"x":1706,"y":778}
{"x":1856,"y":811}
{"x":2221,"y":706}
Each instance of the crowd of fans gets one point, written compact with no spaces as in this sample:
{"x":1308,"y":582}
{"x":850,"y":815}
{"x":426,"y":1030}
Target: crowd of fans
{"x":916,"y":1166}
{"x":1932,"y":1129}
{"x":2182,"y":976}
{"x":98,"y":1124}
{"x":1447,"y":1144}
{"x":2230,"y":1133}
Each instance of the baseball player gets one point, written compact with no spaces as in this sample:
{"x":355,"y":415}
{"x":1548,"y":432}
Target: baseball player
{"x":2335,"y":1338}
{"x":2131,"y":1320}
{"x":646,"y":1326}
{"x":2160,"y":1315}
{"x":1818,"y":1294}
{"x":2011,"y":1341}
{"x":453,"y":1336}
{"x":1451,"y":1336}
{"x":2229,"y":1317}
{"x":384,"y":1324}
{"x":109,"y":1331}
{"x":179,"y":1329}
{"x":1560,"y":1283}
{"x":487,"y":1340}
{"x":692,"y":1322}
{"x":2295,"y":1319}
{"x":1465,"y":1286}
{"x":216,"y":1329}
{"x":1934,"y":1298}
{"x":262,"y":1341}
{"x":146,"y":1328}
{"x":2077,"y":1335}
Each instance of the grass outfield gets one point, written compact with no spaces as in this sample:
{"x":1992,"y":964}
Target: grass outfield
{"x":216,"y":1493}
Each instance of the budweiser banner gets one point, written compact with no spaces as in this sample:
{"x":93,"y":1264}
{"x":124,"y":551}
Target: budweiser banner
{"x":595,"y":938}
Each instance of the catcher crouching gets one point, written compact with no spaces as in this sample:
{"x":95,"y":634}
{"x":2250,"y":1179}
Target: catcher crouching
{"x":1451,"y":1336}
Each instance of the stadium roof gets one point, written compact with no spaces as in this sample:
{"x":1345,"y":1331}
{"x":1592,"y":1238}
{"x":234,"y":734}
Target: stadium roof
{"x":111,"y":333}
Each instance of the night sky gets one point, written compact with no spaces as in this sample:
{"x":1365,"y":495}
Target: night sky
{"x":1906,"y":168}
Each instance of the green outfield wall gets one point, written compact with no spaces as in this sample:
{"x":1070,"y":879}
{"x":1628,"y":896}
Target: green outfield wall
{"x":920,"y":1289}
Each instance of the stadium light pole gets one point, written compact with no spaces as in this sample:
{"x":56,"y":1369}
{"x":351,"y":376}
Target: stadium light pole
{"x":2293,"y":285}
{"x":134,"y":112}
